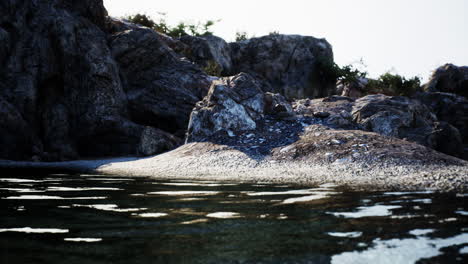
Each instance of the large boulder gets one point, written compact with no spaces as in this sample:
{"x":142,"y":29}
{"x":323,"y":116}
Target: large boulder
{"x":294,"y":66}
{"x":450,"y":108}
{"x":405,"y":118}
{"x":449,"y":79}
{"x":66,"y":93}
{"x":233,"y":105}
{"x":212,"y":53}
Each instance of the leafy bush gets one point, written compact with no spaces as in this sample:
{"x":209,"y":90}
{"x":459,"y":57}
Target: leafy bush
{"x":348,"y":74}
{"x":141,"y":19}
{"x":212,"y":68}
{"x":394,"y":84}
{"x":241,"y":36}
{"x":181,"y":29}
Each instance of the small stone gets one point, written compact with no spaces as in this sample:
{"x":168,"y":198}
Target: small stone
{"x":336,"y":142}
{"x":288,"y":148}
{"x":321,"y":114}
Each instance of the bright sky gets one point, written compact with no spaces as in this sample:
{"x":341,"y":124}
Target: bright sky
{"x":409,"y":37}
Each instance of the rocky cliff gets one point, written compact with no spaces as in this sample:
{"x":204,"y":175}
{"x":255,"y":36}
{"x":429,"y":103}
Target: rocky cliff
{"x":76,"y":83}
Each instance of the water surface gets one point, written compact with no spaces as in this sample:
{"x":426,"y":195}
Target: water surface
{"x":92,"y":219}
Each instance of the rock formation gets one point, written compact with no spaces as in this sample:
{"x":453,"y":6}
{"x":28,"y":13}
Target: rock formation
{"x":232,"y":104}
{"x":294,"y":66}
{"x":449,"y":79}
{"x":77,"y":84}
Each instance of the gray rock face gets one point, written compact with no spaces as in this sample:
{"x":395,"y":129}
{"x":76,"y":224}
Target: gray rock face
{"x":398,"y":117}
{"x":66,"y":93}
{"x":233,"y":105}
{"x":402,"y":117}
{"x":293,"y":65}
{"x":450,"y":108}
{"x":210,"y":52}
{"x":161,"y":87}
{"x":449,"y":79}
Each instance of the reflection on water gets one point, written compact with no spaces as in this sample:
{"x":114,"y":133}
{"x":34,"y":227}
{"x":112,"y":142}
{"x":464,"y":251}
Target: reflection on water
{"x":96,"y":219}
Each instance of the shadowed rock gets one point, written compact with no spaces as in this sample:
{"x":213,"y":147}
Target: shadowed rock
{"x":293,"y":65}
{"x":449,"y":79}
{"x":67,"y":93}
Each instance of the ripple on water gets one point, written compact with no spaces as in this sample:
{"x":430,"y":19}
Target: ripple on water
{"x":182,"y":193}
{"x":291,"y":192}
{"x":21,"y":190}
{"x":108,"y":207}
{"x":345,"y":234}
{"x":368,"y":211}
{"x":421,"y":232}
{"x":460,"y":212}
{"x":82,"y":239}
{"x":308,"y":198}
{"x":223,"y":215}
{"x":34,"y":230}
{"x":400,"y":250}
{"x":15,"y":180}
{"x":464,"y":250}
{"x":78,"y":189}
{"x":48,"y":197}
{"x":150,"y":215}
{"x":197,"y":184}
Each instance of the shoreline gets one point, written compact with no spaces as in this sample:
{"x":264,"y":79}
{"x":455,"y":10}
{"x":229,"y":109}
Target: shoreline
{"x":206,"y":161}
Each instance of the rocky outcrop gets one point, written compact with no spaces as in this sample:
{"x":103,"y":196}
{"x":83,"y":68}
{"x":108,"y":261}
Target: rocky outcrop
{"x":402,"y":117}
{"x":161,"y":87}
{"x":212,"y":53}
{"x":353,"y":89}
{"x":449,"y":79}
{"x":74,"y":85}
{"x":450,"y":108}
{"x":394,"y":116}
{"x":233,"y":105}
{"x":294,"y":66}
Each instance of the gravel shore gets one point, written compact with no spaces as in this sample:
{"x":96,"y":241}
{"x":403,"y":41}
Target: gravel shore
{"x":207,"y":161}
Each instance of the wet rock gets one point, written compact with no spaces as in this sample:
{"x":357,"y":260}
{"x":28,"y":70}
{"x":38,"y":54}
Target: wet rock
{"x":233,"y":104}
{"x":449,"y":79}
{"x":293,"y":65}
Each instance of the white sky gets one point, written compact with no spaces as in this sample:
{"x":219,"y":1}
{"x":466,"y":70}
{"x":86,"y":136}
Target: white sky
{"x":409,"y":37}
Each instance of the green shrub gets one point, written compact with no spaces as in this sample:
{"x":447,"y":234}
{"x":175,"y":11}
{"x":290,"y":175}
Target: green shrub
{"x":181,"y":29}
{"x":213,"y":69}
{"x":394,"y":84}
{"x":141,"y":19}
{"x":241,"y":36}
{"x":332,"y":71}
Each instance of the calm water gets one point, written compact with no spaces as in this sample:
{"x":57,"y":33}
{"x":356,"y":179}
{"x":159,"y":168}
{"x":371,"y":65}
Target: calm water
{"x":90,"y":219}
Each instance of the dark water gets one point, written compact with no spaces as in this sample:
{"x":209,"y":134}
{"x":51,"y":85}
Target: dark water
{"x":89,"y":219}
